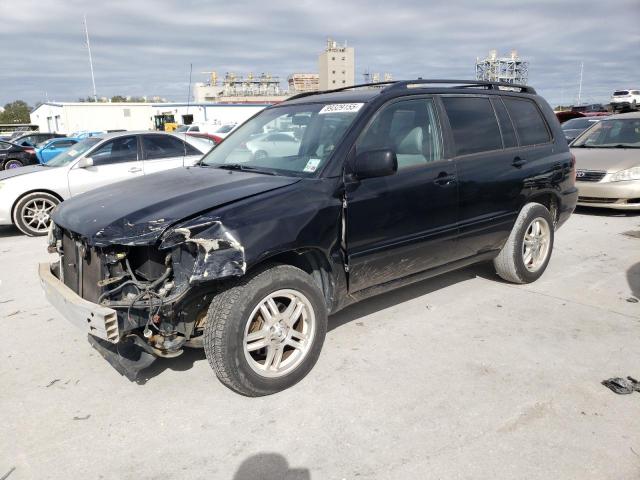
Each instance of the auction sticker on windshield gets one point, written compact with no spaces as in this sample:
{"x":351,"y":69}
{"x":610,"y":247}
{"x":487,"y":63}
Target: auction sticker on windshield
{"x":312,"y":165}
{"x":341,"y":108}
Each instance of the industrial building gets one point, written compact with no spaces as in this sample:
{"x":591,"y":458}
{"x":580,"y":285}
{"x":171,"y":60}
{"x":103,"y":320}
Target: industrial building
{"x":234,"y":88}
{"x":509,"y":69}
{"x":68,"y":117}
{"x":303,"y":82}
{"x":336,"y":66}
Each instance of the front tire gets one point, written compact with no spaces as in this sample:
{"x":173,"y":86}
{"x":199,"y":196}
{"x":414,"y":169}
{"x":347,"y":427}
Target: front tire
{"x":265,"y":333}
{"x":525,"y":255}
{"x":32,"y":213}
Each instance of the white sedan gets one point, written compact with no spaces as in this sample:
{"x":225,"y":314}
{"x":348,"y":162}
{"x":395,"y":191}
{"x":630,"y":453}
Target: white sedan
{"x":29,"y":194}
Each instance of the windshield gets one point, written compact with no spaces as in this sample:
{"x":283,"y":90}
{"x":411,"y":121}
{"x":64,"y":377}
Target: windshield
{"x":578,"y":123}
{"x":620,"y":133}
{"x":289,"y":139}
{"x":74,"y":152}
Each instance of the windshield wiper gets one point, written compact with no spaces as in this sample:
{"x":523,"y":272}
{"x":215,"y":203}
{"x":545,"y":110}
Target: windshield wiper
{"x":244,"y":168}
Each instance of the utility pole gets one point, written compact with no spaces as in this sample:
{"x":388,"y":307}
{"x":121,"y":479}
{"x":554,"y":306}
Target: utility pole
{"x":93,"y":80}
{"x":580,"y":84}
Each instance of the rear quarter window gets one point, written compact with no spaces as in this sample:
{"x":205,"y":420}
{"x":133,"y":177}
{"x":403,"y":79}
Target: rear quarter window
{"x":474,"y":124}
{"x":531,"y":127}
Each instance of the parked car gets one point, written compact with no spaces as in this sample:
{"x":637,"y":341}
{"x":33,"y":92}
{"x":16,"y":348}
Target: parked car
{"x":187,"y":128}
{"x":273,"y":144}
{"x":574,"y":127}
{"x":246,"y":256}
{"x":625,"y":99}
{"x":608,"y":163}
{"x":31,"y":139}
{"x":49,"y":149}
{"x":29,"y":194}
{"x":212,"y":139}
{"x":567,"y":115}
{"x":15,"y":156}
{"x":225,"y":130}
{"x":81,"y":134}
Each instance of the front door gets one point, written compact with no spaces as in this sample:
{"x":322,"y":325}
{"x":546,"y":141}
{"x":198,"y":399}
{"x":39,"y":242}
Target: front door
{"x":404,"y":223}
{"x":113,"y":161}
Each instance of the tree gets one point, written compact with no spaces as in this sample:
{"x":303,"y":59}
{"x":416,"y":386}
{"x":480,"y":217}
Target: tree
{"x":118,"y":98}
{"x":16,"y":112}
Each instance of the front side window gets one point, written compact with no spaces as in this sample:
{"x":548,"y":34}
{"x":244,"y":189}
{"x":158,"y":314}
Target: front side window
{"x":289,"y":139}
{"x":164,"y":146}
{"x":474,"y":124}
{"x":118,"y":150}
{"x":531,"y":127}
{"x":410,"y":128}
{"x":620,"y":133}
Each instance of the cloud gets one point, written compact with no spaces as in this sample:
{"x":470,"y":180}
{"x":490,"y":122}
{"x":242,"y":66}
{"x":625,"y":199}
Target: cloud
{"x":145,"y":47}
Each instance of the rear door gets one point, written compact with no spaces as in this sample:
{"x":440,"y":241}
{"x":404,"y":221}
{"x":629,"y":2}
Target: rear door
{"x":114,"y":160}
{"x":490,"y":177}
{"x":163,"y":152}
{"x":404,"y":223}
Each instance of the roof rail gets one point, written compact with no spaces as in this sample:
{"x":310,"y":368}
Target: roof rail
{"x":461,"y":83}
{"x":341,"y":89}
{"x":397,"y":84}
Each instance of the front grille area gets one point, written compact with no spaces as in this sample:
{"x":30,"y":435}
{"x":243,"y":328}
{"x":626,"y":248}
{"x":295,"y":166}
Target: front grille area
{"x":81,"y":267}
{"x":590,"y":175}
{"x":597,"y":200}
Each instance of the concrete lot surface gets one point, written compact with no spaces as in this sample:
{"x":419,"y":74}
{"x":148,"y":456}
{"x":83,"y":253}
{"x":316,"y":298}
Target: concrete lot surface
{"x":462,"y":376}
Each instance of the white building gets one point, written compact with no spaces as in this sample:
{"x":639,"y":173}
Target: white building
{"x":67,"y":117}
{"x":336,"y":66}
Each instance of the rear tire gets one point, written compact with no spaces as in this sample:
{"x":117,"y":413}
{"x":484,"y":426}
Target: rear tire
{"x":32,"y":213}
{"x":13,"y":163}
{"x":265,"y":333}
{"x":525,"y":255}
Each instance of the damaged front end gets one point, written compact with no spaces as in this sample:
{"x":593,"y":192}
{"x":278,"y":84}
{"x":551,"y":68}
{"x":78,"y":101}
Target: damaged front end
{"x":137,"y":300}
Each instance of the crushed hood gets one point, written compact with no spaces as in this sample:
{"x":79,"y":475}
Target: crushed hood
{"x":16,"y":172}
{"x":138,"y":211}
{"x":608,"y":159}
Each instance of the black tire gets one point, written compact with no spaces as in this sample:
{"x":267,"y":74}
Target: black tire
{"x":13,"y":163}
{"x":21,"y":212}
{"x":227,"y":320}
{"x":510,"y":262}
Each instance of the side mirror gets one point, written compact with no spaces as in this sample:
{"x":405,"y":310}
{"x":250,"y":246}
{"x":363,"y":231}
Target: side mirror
{"x":375,"y":163}
{"x":85,"y":162}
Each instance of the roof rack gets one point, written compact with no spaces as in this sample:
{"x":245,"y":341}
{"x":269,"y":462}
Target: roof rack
{"x":341,"y":89}
{"x":397,"y":84}
{"x":462,"y":84}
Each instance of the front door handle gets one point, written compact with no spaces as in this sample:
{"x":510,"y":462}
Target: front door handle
{"x":135,"y":170}
{"x":444,"y":179}
{"x":518,"y":162}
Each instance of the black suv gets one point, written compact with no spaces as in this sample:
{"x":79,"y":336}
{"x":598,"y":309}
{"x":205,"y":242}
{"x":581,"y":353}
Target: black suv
{"x":312,"y":204}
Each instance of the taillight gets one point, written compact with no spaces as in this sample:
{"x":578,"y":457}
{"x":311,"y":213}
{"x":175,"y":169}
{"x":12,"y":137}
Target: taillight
{"x":29,"y":150}
{"x":216,"y":139}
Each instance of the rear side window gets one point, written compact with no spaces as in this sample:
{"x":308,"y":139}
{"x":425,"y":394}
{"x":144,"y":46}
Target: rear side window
{"x":474,"y":124}
{"x":531,"y":127}
{"x":506,"y":127}
{"x":165,"y":146}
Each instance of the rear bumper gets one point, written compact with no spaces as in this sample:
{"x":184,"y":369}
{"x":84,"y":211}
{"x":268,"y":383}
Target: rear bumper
{"x":91,"y":318}
{"x":616,"y":195}
{"x":567,"y":206}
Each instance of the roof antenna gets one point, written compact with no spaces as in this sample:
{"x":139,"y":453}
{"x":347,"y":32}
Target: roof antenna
{"x":184,"y":144}
{"x":93,"y":80}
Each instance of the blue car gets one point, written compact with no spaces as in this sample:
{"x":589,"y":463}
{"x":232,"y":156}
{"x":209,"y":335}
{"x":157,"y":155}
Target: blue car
{"x":51,"y":148}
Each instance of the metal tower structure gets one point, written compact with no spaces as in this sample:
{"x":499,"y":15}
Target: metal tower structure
{"x":509,"y":69}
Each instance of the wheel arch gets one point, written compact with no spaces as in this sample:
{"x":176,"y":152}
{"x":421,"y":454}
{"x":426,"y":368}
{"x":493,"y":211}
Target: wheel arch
{"x":35,"y":190}
{"x":310,"y":260}
{"x":550,"y":200}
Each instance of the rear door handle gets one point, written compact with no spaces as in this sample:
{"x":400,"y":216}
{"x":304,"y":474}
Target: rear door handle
{"x":518,"y":162}
{"x":135,"y":169}
{"x":444,"y":179}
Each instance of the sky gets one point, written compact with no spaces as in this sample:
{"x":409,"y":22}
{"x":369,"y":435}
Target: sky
{"x":145,"y":47}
